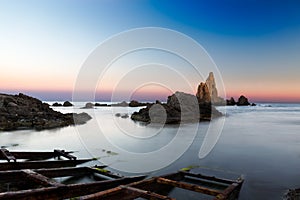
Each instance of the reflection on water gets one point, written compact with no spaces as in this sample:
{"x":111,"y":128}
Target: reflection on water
{"x":261,"y":143}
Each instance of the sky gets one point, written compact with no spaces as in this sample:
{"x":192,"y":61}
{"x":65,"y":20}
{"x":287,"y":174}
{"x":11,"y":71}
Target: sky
{"x":254,"y":44}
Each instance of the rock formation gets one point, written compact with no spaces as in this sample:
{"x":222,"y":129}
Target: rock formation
{"x":134,"y":103}
{"x":230,"y":102}
{"x":180,"y":107}
{"x":243,"y":101}
{"x":203,"y":93}
{"x":57,"y":104}
{"x":67,"y":104}
{"x":122,"y":104}
{"x":88,"y":105}
{"x":24,"y":112}
{"x":207,"y":92}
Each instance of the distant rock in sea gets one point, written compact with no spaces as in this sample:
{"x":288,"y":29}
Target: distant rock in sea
{"x":180,"y":107}
{"x":122,"y":104}
{"x":25,"y":112}
{"x":242,"y":101}
{"x":230,"y":102}
{"x":67,"y":104}
{"x":88,"y":105}
{"x":57,"y":104}
{"x":134,"y":103}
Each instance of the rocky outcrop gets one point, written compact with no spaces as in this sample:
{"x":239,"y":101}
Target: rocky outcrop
{"x":207,"y":92}
{"x":88,"y":105}
{"x":230,"y":102}
{"x":203,"y":93}
{"x":122,"y":104}
{"x":67,"y":104}
{"x":243,"y":101}
{"x":57,"y":104}
{"x":134,"y":103}
{"x":180,"y":107}
{"x":25,"y":112}
{"x":101,"y":105}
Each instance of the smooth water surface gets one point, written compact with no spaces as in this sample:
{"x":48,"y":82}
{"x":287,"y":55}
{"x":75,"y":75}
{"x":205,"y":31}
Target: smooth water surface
{"x":260,"y":143}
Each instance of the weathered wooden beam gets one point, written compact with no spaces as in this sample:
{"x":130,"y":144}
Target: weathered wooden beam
{"x":38,"y":178}
{"x":109,"y":194}
{"x":64,"y":154}
{"x":101,"y":171}
{"x":67,"y":191}
{"x":211,"y":178}
{"x":231,"y":192}
{"x":7,"y":155}
{"x":143,"y":193}
{"x":10,"y":176}
{"x":41,"y":164}
{"x":33,"y":155}
{"x":66,"y":171}
{"x":14,"y":175}
{"x":187,"y":186}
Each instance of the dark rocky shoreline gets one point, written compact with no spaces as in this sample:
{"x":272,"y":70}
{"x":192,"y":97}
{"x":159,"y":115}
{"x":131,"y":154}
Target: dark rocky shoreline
{"x":25,"y":112}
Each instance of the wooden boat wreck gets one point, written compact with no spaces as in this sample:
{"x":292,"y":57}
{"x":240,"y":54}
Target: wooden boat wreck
{"x":33,"y":179}
{"x":159,"y":187}
{"x":36,"y":160}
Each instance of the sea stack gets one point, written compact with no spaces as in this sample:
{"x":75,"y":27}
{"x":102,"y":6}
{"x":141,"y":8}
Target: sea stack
{"x":208,"y":93}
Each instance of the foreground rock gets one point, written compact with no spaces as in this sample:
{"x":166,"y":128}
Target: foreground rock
{"x":180,"y":107}
{"x":25,"y":112}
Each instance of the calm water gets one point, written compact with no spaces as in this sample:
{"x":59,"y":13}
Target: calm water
{"x":260,"y":143}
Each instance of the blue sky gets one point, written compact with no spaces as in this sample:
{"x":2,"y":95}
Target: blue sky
{"x":255,"y":44}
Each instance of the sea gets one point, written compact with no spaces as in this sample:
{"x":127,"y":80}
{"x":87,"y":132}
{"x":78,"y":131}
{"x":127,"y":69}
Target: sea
{"x":260,"y":144}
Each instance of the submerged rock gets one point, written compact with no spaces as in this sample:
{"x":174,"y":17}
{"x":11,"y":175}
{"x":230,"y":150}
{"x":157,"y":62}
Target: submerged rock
{"x":25,"y":112}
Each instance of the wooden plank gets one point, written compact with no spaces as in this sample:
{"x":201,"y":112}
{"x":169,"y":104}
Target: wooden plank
{"x":211,"y":178}
{"x":34,"y":155}
{"x":187,"y":186}
{"x":109,"y":194}
{"x":64,"y":154}
{"x":67,"y":191}
{"x":100,"y":170}
{"x":66,"y":171}
{"x":14,"y":175}
{"x":10,"y":176}
{"x":41,"y":164}
{"x":231,"y":192}
{"x":38,"y":178}
{"x":125,"y":192}
{"x":7,"y":155}
{"x":143,"y":193}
